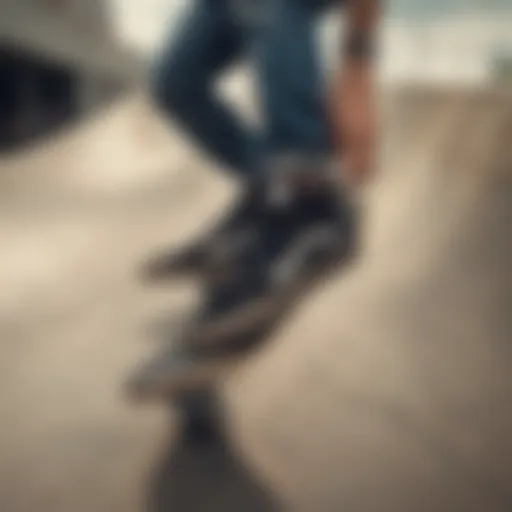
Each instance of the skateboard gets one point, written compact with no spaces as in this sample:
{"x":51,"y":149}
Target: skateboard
{"x":191,"y":364}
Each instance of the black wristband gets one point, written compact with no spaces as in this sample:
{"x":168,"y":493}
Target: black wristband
{"x":358,"y":46}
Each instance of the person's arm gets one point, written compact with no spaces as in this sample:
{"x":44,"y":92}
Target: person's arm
{"x":355,"y":118}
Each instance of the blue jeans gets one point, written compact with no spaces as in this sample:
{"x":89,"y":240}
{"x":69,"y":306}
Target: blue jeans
{"x":282,"y":46}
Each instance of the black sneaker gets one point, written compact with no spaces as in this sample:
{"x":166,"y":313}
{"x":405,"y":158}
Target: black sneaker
{"x":314,"y":233}
{"x":218,"y":250}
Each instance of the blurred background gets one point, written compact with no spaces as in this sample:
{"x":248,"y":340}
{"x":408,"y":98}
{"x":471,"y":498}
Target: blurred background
{"x":93,"y":180}
{"x":61,"y":59}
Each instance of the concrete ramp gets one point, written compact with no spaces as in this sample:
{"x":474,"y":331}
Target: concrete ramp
{"x":388,"y":391}
{"x":124,"y":147}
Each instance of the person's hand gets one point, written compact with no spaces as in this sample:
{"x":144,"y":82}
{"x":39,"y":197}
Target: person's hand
{"x":355,"y":120}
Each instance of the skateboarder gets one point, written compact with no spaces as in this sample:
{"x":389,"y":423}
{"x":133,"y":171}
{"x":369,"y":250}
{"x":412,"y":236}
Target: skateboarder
{"x":279,"y":37}
{"x":291,"y":155}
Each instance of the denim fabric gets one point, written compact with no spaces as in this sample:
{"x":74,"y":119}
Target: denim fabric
{"x":279,"y":38}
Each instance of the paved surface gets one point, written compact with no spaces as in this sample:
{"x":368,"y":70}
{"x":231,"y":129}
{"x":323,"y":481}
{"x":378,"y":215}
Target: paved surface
{"x":388,"y":391}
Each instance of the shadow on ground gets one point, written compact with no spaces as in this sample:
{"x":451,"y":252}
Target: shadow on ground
{"x":206,"y":477}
